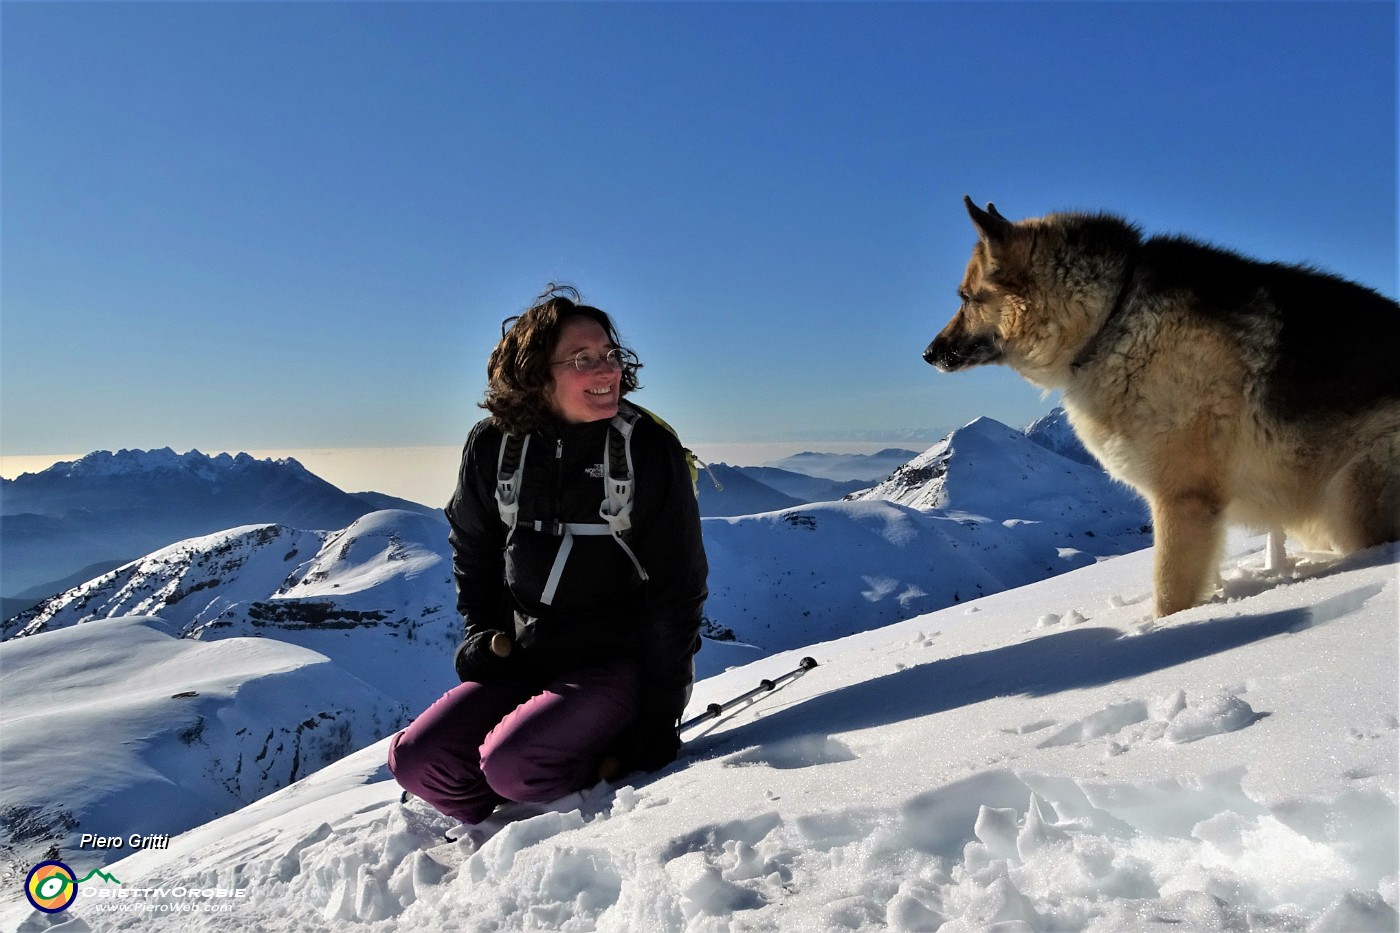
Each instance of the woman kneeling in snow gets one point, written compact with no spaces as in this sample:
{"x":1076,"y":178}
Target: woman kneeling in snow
{"x":581,"y":601}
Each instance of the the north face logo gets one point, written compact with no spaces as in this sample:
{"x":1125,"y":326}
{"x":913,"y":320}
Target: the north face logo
{"x":595,"y":471}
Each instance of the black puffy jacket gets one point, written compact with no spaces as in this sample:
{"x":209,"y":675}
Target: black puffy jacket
{"x":602,"y":608}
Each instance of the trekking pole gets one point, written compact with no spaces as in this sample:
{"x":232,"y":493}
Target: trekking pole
{"x":715,"y":710}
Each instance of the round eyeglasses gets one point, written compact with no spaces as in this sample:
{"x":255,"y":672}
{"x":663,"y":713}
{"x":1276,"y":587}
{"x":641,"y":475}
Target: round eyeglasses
{"x":616,"y":359}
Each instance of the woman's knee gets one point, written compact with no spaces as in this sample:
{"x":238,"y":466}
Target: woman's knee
{"x":407,"y":760}
{"x":551,"y":746}
{"x":510,"y":771}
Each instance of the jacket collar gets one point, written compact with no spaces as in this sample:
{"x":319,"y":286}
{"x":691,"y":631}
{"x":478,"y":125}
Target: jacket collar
{"x":554,"y":429}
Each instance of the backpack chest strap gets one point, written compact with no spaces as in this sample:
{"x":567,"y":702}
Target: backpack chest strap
{"x":615,"y":510}
{"x":570,"y":531}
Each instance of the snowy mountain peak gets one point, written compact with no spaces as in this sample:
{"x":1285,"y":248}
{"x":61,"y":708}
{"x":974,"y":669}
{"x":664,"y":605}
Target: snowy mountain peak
{"x":989,"y":469}
{"x":104,"y":463}
{"x":259,"y":578}
{"x":1054,"y":432}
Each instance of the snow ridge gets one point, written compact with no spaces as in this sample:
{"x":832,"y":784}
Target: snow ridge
{"x":386,"y":577}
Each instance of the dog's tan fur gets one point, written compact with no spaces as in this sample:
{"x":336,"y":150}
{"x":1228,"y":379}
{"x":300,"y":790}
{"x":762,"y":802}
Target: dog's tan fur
{"x":1177,"y":373}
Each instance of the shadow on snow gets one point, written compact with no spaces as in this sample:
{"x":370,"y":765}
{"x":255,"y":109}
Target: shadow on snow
{"x":1050,"y":664}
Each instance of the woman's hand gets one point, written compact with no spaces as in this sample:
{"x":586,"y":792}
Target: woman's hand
{"x":482,"y":657}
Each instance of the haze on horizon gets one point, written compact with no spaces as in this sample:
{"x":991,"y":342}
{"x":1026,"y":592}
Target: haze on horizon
{"x":427,"y":474}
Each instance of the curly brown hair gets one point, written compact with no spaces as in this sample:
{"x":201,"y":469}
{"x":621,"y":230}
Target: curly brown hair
{"x":518,"y":375}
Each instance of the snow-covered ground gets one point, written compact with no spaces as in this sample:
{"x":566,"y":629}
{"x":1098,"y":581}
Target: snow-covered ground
{"x":120,"y":726}
{"x":1046,"y":758}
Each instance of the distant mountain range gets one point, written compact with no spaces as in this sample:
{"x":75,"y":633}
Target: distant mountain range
{"x":985,"y":508}
{"x":845,"y":467}
{"x":727,"y":491}
{"x":804,"y":487}
{"x":1053,"y":432}
{"x":80,"y":518}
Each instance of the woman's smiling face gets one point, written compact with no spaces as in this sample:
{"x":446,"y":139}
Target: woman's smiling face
{"x":576,"y":397}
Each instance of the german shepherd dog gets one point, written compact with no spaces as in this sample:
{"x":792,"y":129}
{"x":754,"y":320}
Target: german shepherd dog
{"x":1223,"y":389}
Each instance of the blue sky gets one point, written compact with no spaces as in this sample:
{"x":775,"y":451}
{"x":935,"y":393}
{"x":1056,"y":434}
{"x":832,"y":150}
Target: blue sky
{"x":280,"y":225}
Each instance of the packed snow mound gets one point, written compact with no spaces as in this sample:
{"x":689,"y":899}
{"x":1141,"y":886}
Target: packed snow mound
{"x":388,"y":551}
{"x":120,"y":727}
{"x":388,"y":547}
{"x":1047,"y":758}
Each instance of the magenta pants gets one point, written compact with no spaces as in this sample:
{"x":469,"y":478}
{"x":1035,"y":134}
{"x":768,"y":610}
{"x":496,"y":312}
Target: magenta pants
{"x":483,"y":744}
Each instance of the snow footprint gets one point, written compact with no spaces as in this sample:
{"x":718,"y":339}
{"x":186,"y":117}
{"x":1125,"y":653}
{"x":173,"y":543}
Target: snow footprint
{"x":728,"y":867}
{"x":1173,"y":718}
{"x":801,"y":752}
{"x":1107,"y":721}
{"x":1049,"y":852}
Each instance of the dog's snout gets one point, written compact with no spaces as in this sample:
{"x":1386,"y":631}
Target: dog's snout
{"x":936,"y":354}
{"x":952,"y":353}
{"x":942,"y":354}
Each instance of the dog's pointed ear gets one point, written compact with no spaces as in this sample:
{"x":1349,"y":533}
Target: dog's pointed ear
{"x":991,"y":226}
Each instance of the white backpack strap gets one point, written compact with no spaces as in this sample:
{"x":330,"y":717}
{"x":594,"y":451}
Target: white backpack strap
{"x":617,"y":475}
{"x":556,"y":571}
{"x":568,"y":531}
{"x":508,"y":478}
{"x":616,"y":508}
{"x":618,"y":480}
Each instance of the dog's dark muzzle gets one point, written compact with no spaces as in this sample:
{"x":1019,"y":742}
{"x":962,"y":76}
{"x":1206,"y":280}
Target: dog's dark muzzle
{"x":951,"y":354}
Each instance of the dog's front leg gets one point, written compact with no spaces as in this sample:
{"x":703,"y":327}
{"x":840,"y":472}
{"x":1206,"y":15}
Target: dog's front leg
{"x":1188,"y":529}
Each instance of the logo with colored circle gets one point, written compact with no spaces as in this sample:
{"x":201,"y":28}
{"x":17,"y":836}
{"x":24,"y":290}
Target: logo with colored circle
{"x":51,"y":887}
